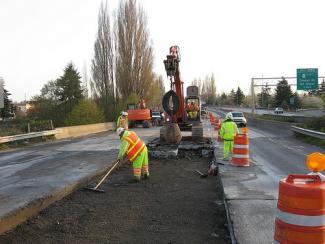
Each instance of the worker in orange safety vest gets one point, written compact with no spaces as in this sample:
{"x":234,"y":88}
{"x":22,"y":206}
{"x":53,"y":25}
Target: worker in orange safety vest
{"x":136,"y":151}
{"x":192,"y":109}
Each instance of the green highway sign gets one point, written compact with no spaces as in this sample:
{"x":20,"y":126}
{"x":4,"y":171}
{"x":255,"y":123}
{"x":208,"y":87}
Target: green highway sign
{"x":307,"y":79}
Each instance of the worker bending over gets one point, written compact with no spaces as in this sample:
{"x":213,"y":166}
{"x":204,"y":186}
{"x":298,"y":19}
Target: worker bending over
{"x":123,"y":121}
{"x":136,"y":151}
{"x":228,"y":132}
{"x":192,"y":109}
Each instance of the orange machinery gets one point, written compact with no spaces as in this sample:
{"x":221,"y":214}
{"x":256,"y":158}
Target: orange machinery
{"x":174,"y":102}
{"x":138,"y":114}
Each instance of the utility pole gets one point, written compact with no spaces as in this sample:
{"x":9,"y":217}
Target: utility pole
{"x":253,"y":97}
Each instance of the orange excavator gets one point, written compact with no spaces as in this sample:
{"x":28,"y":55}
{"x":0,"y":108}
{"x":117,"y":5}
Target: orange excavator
{"x":139,"y":114}
{"x":182,"y":111}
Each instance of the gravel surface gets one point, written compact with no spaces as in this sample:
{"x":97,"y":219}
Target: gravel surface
{"x":174,"y":206}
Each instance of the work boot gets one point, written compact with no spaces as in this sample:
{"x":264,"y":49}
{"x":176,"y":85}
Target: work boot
{"x":146,"y":176}
{"x":134,"y":180}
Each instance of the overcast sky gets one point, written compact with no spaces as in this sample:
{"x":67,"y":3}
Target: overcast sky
{"x":234,"y":39}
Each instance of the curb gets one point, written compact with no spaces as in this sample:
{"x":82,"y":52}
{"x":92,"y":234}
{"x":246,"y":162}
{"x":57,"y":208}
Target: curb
{"x":30,"y":209}
{"x":229,"y":222}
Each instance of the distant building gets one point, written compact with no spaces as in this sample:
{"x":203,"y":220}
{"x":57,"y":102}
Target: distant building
{"x":24,"y":106}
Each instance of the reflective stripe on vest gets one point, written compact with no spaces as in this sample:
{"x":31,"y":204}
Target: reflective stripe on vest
{"x":136,"y":145}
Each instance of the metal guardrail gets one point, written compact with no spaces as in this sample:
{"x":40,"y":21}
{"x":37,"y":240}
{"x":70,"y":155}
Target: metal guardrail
{"x":307,"y":132}
{"x":27,"y":136}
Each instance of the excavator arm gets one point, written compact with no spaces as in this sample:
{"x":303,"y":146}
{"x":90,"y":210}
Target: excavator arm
{"x":173,"y":101}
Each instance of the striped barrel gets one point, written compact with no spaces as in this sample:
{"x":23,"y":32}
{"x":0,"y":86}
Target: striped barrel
{"x":240,"y":155}
{"x":301,"y":210}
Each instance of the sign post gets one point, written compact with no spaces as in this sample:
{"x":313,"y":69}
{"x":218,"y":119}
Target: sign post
{"x":307,"y":79}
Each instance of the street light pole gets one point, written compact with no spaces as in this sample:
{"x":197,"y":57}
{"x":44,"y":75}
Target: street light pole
{"x":253,"y":97}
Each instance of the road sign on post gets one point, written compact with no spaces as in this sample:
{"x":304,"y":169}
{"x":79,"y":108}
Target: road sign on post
{"x":307,"y":79}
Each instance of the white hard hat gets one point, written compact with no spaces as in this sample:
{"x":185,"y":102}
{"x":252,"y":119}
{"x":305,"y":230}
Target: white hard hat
{"x":229,"y":116}
{"x":120,"y":130}
{"x":124,"y":113}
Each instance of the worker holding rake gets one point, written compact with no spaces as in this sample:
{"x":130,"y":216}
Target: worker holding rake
{"x":136,"y":151}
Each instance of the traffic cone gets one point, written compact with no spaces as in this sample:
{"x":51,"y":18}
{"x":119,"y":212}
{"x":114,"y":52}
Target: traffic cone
{"x":241,"y":150}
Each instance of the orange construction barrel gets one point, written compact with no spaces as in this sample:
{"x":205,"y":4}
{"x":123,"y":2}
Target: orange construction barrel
{"x":301,"y":210}
{"x":240,"y":155}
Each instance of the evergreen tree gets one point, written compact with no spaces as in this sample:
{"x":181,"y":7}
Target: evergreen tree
{"x":232,"y":97}
{"x":239,"y":97}
{"x":297,"y":101}
{"x":223,"y":98}
{"x":8,"y":110}
{"x":265,"y":98}
{"x":69,"y":85}
{"x":282,"y":94}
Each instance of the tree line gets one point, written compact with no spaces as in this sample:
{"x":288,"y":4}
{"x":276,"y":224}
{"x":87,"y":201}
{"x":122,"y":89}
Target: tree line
{"x":121,"y":73}
{"x":283,"y":96}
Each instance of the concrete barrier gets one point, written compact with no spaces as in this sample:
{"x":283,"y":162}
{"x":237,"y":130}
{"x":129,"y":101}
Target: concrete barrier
{"x":82,"y":130}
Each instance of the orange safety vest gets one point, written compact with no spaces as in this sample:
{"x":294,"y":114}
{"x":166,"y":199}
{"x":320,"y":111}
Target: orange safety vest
{"x":136,"y":145}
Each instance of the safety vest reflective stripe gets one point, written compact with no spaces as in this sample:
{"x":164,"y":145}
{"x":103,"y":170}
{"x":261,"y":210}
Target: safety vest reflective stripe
{"x":136,"y":145}
{"x":241,"y":146}
{"x":301,"y":220}
{"x":240,"y":156}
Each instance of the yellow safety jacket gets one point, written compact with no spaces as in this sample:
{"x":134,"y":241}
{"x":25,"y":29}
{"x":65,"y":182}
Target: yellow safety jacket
{"x":228,"y":130}
{"x":136,"y":145}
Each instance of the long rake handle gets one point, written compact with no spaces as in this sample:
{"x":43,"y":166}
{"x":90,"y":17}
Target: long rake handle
{"x":106,"y":174}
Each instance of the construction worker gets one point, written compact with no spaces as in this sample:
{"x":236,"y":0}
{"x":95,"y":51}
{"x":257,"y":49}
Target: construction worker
{"x":136,"y":151}
{"x":192,"y":110}
{"x":123,"y":121}
{"x":228,"y":132}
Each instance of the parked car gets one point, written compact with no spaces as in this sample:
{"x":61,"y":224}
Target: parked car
{"x":204,"y":111}
{"x":278,"y":110}
{"x":157,"y":118}
{"x":239,"y":119}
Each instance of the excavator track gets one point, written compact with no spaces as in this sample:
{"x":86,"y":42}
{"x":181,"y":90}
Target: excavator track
{"x":197,"y":132}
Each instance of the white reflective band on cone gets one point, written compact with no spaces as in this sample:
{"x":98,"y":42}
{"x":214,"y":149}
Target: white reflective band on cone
{"x":302,"y":220}
{"x":240,"y":156}
{"x":241,"y":146}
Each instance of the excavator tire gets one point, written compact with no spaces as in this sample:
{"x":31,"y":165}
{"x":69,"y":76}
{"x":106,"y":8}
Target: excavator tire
{"x":197,"y":132}
{"x":172,"y":108}
{"x":146,"y":124}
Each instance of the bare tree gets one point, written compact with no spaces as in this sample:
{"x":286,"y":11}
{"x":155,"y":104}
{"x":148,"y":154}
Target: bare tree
{"x":134,"y":53}
{"x":103,"y":64}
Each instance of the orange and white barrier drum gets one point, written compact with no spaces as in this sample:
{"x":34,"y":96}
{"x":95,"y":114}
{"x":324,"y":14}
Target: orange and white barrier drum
{"x":301,"y":210}
{"x":240,"y":155}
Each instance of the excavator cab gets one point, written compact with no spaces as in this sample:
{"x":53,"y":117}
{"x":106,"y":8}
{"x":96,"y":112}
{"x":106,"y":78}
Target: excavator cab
{"x":193,"y":105}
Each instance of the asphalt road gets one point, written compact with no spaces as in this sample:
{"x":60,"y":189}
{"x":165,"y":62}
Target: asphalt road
{"x":30,"y":175}
{"x":252,"y":192}
{"x":312,"y":112}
